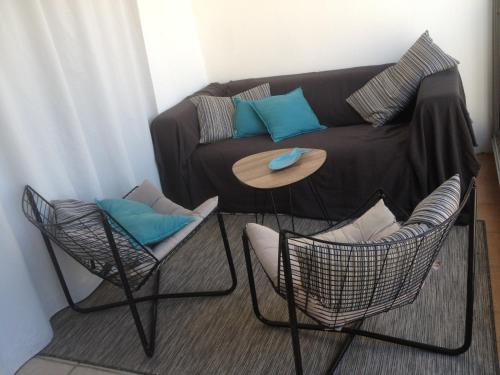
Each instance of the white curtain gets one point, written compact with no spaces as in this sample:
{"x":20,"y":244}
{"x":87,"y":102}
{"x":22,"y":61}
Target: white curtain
{"x":75,"y":100}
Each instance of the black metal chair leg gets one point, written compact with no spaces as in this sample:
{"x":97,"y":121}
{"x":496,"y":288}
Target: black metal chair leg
{"x":292,"y":313}
{"x":227,"y":248}
{"x":343,"y":350}
{"x":51,"y":252}
{"x":147,"y":346}
{"x":251,"y":280}
{"x":253,"y":295}
{"x":154,"y":312}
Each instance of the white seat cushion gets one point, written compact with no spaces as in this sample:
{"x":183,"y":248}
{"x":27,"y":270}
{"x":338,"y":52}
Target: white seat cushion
{"x":374,"y":224}
{"x":265,"y":244}
{"x":148,"y":194}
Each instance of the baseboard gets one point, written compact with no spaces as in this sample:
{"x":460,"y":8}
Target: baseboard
{"x":496,"y":152}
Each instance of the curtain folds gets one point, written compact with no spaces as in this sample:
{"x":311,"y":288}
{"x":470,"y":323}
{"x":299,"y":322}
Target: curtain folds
{"x":75,"y":99}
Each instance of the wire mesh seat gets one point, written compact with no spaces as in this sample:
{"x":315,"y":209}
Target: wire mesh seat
{"x":84,"y":238}
{"x":112,"y":254}
{"x":339,"y":285}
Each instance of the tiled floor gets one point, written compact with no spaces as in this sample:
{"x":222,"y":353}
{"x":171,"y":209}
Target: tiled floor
{"x":52,"y":366}
{"x":488,"y":210}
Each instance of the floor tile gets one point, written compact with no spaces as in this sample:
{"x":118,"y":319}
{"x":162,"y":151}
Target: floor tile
{"x":42,"y":366}
{"x":92,"y":370}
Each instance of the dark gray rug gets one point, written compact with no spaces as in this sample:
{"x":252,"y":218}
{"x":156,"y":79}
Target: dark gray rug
{"x":221,"y":335}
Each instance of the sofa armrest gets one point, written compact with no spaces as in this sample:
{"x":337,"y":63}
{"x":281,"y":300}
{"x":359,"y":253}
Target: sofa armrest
{"x":445,"y":87}
{"x":175,"y":134}
{"x":441,"y":137}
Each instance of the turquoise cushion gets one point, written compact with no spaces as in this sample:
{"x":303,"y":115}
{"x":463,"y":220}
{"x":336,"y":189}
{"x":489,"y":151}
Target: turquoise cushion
{"x":287,"y":115}
{"x":246,"y":121}
{"x":143,"y":222}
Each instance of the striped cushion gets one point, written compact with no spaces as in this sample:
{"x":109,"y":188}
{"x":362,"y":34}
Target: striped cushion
{"x":439,"y":205}
{"x":390,"y":91}
{"x":80,"y":229}
{"x":406,"y":232}
{"x":69,"y":209}
{"x":215,"y":113}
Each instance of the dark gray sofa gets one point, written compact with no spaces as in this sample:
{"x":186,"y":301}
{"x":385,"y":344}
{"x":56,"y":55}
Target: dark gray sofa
{"x":427,"y":143}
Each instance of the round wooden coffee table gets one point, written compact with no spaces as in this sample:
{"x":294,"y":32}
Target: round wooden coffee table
{"x":254,"y":171}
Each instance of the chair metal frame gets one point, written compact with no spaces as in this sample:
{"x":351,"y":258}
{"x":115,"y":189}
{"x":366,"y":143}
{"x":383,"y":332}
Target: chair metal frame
{"x":31,"y":211}
{"x":354,"y":329}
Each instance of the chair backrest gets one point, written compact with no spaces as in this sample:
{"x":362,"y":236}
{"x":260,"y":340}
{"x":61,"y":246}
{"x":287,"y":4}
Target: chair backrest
{"x":88,"y":239}
{"x":337,"y":283}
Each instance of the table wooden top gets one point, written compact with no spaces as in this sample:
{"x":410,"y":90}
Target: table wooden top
{"x":253,"y":170}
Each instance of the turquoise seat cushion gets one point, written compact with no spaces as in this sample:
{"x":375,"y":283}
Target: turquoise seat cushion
{"x":287,"y":115}
{"x":143,"y":222}
{"x":247,"y":122}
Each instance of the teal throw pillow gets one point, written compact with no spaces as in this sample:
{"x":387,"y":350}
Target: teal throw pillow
{"x":246,"y":121}
{"x":287,"y":115}
{"x":143,"y":222}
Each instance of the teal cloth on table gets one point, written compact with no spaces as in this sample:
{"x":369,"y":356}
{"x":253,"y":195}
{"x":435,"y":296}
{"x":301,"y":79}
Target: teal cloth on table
{"x":143,"y":222}
{"x":287,"y":115}
{"x":246,"y":121}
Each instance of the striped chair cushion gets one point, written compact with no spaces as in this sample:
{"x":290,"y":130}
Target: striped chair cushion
{"x":390,"y":91}
{"x":79,"y":229}
{"x":215,"y":114}
{"x":439,"y":205}
{"x":406,"y":232}
{"x":69,"y":209}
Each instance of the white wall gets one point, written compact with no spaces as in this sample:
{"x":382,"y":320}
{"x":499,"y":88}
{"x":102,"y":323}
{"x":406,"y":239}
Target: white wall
{"x":257,"y":38}
{"x":172,"y":45}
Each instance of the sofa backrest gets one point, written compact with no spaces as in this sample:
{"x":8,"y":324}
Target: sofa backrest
{"x":325,"y":91}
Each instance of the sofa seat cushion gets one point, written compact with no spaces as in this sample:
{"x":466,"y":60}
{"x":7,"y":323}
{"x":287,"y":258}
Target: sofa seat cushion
{"x":346,"y":178}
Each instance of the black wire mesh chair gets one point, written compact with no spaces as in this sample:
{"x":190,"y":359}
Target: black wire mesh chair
{"x":117,"y":258}
{"x":339,"y":285}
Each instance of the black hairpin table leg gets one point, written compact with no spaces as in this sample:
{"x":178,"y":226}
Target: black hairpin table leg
{"x":275,"y":210}
{"x":319,"y":201}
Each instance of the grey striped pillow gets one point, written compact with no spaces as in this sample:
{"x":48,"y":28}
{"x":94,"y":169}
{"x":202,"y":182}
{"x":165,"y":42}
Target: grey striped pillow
{"x":439,"y":205}
{"x":386,"y":94}
{"x":215,"y":113}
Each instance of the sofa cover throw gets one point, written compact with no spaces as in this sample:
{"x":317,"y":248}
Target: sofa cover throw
{"x":409,"y":157}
